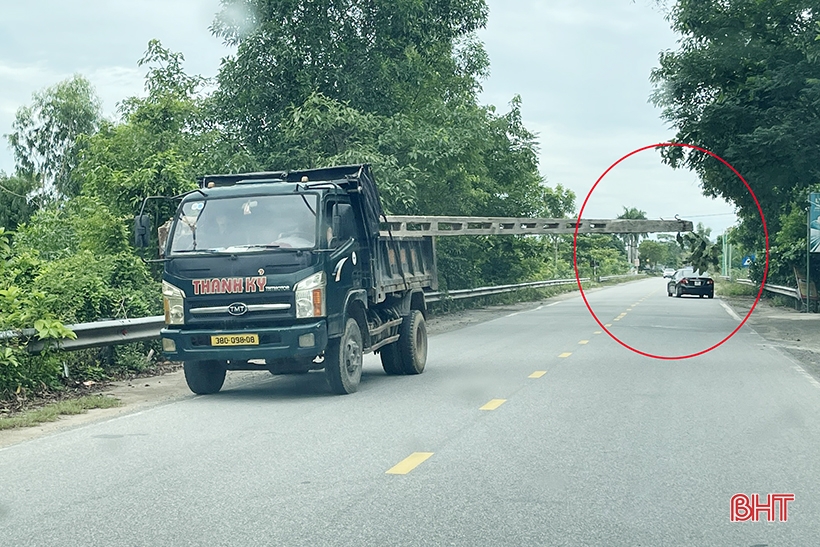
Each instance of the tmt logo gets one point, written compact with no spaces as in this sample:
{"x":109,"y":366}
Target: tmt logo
{"x":750,"y":507}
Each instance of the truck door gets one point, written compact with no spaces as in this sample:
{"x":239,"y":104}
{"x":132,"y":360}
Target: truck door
{"x":344,"y":267}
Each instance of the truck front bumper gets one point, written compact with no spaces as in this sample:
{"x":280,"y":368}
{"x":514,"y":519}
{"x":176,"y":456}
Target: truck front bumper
{"x":274,"y":343}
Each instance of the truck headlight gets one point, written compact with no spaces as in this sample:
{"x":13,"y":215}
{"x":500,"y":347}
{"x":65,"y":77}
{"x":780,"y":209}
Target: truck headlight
{"x":173,"y":302}
{"x":310,"y":296}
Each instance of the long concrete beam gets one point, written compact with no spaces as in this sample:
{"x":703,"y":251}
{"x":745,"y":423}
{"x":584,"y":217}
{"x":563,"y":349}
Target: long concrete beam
{"x":455,"y":226}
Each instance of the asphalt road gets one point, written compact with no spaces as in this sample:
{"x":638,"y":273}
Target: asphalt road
{"x":592,"y":445}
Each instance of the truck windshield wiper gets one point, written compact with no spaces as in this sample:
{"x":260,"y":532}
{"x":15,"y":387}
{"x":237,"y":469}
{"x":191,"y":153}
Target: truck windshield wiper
{"x":256,"y":246}
{"x":211,"y":251}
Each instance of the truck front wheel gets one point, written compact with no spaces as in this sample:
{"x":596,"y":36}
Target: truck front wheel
{"x":412,"y":343}
{"x":343,"y":360}
{"x":204,"y":377}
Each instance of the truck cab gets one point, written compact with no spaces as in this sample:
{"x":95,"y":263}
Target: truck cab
{"x":287,"y":271}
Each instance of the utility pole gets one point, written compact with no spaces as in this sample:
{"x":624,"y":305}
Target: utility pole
{"x":723,"y":257}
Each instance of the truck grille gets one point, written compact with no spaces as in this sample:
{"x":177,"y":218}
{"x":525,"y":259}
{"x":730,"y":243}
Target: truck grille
{"x":213,"y":311}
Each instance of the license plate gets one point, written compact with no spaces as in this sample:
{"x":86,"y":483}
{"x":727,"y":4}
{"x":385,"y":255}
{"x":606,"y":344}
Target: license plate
{"x":235,"y":340}
{"x":697,"y":283}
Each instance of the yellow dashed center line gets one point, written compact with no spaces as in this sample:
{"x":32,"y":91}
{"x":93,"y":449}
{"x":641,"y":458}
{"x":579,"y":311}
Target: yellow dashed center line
{"x":409,"y":463}
{"x":492,"y":404}
{"x":537,"y":374}
{"x":565,"y":354}
{"x":582,"y":342}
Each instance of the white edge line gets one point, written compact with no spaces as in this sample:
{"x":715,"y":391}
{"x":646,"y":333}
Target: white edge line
{"x":730,"y":311}
{"x":796,"y":365}
{"x":799,"y":368}
{"x":553,"y":304}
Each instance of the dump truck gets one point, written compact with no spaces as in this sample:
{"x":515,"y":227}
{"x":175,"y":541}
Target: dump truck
{"x":293,"y":271}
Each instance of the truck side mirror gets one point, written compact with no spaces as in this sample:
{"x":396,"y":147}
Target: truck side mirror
{"x":142,"y":230}
{"x":344,"y":222}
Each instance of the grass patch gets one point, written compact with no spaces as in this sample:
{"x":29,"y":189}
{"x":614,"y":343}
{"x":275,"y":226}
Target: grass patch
{"x":730,"y":288}
{"x":52,"y":411}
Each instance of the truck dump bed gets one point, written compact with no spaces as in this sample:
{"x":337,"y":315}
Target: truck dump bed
{"x":405,"y":263}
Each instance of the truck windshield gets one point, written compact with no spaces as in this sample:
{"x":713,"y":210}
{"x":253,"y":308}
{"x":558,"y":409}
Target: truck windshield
{"x":246,"y":224}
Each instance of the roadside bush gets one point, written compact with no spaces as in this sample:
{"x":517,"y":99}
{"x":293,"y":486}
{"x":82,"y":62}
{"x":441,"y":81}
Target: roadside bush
{"x":22,"y":307}
{"x":84,"y":287}
{"x":69,"y":264}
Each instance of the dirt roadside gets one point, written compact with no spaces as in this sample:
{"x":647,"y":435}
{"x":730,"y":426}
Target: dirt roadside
{"x":797,"y":334}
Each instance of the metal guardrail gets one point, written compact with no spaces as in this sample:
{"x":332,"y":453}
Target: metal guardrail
{"x":498,"y":289}
{"x":106,"y":333}
{"x":120,"y":331}
{"x":778,"y":289}
{"x":622,"y":276}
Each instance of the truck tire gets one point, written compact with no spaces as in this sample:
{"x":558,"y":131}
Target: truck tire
{"x":391,"y":359}
{"x":412,"y":344}
{"x":204,"y":377}
{"x":343,"y":360}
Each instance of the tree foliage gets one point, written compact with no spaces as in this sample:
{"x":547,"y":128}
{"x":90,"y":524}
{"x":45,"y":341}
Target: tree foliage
{"x":44,"y":135}
{"x":652,"y":252}
{"x":16,"y":203}
{"x":744,"y":84}
{"x":382,"y":57}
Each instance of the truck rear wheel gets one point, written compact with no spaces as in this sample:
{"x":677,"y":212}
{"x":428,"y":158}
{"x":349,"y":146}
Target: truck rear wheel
{"x":412,"y":344}
{"x":391,"y":359}
{"x":204,"y":377}
{"x":343,"y":360}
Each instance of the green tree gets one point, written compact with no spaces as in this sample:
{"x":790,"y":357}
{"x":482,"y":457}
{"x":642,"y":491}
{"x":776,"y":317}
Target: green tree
{"x":163,"y":142}
{"x":652,"y":252}
{"x":607,"y":251}
{"x":559,"y":202}
{"x":672,"y":250}
{"x":631,"y":240}
{"x":744,"y":84}
{"x":382,"y":57}
{"x":45,"y":134}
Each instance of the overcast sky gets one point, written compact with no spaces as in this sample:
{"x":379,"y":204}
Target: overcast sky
{"x":581,"y":67}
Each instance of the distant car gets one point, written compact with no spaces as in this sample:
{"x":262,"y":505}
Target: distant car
{"x":687,"y":281}
{"x":669,"y":272}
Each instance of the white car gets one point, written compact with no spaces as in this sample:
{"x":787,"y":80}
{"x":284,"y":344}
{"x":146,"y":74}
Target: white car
{"x":668,"y":272}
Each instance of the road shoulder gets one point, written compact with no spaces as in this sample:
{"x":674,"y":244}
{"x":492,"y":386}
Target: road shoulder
{"x":797,"y":334}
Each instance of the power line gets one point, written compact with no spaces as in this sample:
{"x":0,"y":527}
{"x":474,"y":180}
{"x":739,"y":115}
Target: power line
{"x":712,"y":215}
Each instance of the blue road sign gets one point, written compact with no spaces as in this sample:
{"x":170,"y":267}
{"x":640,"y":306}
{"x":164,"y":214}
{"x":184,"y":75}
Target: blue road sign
{"x":747,"y":261}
